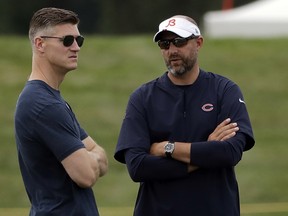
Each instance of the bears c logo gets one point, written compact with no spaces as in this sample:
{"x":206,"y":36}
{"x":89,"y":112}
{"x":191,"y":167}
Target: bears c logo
{"x":207,"y":107}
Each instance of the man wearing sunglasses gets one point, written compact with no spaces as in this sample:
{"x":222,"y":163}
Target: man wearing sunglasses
{"x":184,"y":132}
{"x":58,"y":160}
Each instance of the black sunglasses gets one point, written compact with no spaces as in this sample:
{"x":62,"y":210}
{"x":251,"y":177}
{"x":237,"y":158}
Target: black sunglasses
{"x":178,"y":42}
{"x":68,"y":40}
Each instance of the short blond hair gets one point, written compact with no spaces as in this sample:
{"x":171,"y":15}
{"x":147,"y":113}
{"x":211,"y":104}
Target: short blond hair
{"x":46,"y":18}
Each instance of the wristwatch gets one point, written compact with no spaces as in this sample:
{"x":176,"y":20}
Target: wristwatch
{"x":169,"y":148}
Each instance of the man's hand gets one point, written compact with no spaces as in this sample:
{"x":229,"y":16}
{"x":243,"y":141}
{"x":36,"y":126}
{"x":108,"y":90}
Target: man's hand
{"x":96,"y":152}
{"x":224,"y":131}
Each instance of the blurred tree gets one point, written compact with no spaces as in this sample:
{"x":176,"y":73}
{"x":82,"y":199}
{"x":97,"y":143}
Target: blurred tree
{"x":87,"y":10}
{"x":108,"y":16}
{"x":130,"y":16}
{"x":16,"y":14}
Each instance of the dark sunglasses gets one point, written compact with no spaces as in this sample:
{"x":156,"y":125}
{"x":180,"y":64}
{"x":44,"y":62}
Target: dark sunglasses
{"x":68,"y":40}
{"x":178,"y":42}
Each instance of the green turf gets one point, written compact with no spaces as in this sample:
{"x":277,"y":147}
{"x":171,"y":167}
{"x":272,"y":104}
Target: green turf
{"x":110,"y":68}
{"x":128,"y":211}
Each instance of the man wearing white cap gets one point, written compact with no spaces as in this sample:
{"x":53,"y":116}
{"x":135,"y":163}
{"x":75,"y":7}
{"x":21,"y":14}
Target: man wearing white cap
{"x":184,"y":132}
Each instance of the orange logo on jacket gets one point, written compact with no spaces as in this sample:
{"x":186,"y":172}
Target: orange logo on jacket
{"x":207,"y":107}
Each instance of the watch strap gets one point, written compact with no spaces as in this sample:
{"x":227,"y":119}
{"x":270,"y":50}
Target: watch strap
{"x":169,"y":152}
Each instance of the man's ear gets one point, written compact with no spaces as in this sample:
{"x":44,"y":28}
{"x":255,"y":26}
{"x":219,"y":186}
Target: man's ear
{"x":200,"y":41}
{"x":39,"y":44}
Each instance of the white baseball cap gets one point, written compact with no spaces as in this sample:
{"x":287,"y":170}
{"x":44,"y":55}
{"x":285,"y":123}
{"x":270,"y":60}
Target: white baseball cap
{"x":179,"y":26}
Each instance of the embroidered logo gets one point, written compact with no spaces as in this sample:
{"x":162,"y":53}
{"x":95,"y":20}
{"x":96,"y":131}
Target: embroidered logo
{"x":171,"y":22}
{"x":207,"y":107}
{"x":241,"y":101}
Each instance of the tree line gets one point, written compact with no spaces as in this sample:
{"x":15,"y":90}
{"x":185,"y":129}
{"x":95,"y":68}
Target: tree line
{"x":108,"y":16}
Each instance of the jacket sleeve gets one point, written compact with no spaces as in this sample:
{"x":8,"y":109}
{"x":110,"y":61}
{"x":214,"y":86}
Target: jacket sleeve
{"x":134,"y":143}
{"x":209,"y":154}
{"x":144,"y":167}
{"x":213,"y":154}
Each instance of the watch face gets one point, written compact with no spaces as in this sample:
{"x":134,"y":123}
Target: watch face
{"x":168,"y":147}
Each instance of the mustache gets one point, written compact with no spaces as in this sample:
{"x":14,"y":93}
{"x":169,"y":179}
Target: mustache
{"x":174,"y":56}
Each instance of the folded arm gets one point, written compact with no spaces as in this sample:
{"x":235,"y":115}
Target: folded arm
{"x":86,"y":165}
{"x":222,"y":132}
{"x":143,"y":166}
{"x":96,"y":151}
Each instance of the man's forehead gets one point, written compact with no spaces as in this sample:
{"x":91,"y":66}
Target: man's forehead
{"x":167,"y":35}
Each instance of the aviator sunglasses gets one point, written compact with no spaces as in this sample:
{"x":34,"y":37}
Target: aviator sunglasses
{"x":68,"y":40}
{"x":178,"y":42}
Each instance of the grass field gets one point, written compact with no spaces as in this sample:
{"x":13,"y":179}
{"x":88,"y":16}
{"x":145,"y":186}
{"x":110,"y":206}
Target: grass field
{"x":110,"y":68}
{"x":272,"y":209}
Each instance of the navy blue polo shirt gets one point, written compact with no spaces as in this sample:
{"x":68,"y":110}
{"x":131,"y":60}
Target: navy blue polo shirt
{"x":46,"y":132}
{"x":160,"y":110}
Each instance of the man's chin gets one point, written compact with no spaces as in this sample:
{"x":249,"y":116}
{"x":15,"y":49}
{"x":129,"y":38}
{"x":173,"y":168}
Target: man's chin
{"x":72,"y":67}
{"x":176,"y":71}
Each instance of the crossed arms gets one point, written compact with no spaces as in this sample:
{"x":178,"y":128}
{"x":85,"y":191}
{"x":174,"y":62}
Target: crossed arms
{"x":223,"y":147}
{"x":222,"y":132}
{"x":86,"y":165}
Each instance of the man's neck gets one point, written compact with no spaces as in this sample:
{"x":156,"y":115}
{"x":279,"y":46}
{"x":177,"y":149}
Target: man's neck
{"x":52,"y":79}
{"x":186,"y":79}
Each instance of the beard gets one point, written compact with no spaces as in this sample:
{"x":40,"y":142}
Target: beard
{"x":179,"y":70}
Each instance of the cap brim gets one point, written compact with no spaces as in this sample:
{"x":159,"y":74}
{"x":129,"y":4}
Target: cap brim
{"x":179,"y":32}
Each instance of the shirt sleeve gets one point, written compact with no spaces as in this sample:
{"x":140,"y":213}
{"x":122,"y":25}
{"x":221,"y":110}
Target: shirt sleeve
{"x":134,"y":130}
{"x":233,"y":106}
{"x":59,"y":130}
{"x":134,"y":145}
{"x":216,"y":154}
{"x":145,"y":167}
{"x":226,"y":153}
